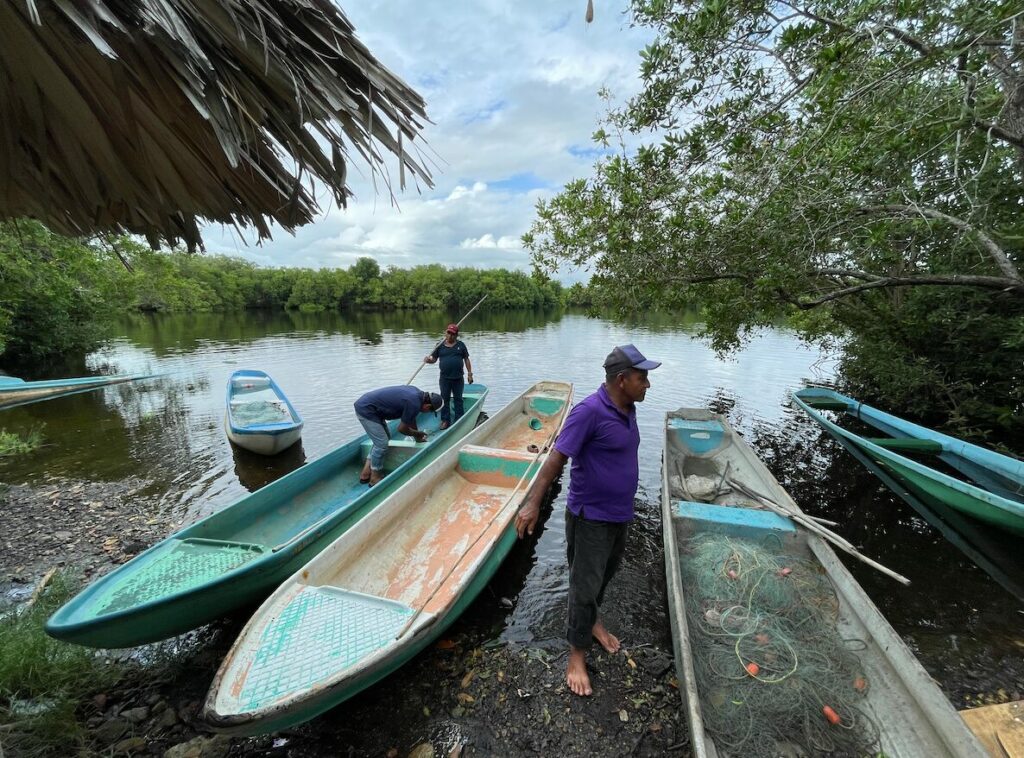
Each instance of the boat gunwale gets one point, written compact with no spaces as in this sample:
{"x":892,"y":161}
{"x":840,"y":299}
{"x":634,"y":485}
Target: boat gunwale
{"x":367,"y":668}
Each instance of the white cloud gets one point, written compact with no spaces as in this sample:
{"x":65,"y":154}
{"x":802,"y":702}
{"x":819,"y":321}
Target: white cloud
{"x":512,"y":91}
{"x":488,"y":241}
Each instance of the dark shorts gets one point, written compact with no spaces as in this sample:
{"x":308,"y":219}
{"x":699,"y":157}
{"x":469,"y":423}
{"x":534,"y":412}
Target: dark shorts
{"x":594,"y":550}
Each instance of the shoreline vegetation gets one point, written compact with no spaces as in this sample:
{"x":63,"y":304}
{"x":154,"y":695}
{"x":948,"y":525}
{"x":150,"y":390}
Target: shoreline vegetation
{"x":58,"y":294}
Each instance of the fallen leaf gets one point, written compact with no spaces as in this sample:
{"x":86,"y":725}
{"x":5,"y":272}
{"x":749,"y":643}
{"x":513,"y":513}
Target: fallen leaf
{"x":445,"y":644}
{"x":631,"y":662}
{"x":468,"y":678}
{"x":623,"y":716}
{"x":465,"y":698}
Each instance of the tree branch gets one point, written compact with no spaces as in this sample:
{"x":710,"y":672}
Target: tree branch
{"x":997,"y":254}
{"x":1015,"y":287}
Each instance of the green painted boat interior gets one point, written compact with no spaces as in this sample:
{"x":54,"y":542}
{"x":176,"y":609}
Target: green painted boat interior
{"x":180,"y":565}
{"x":544,"y":404}
{"x":341,"y":626}
{"x":907,"y":444}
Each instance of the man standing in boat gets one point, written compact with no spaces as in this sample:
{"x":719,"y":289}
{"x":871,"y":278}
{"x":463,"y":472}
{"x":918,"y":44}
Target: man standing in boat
{"x":452,"y":353}
{"x":602,"y":439}
{"x":377,"y":407}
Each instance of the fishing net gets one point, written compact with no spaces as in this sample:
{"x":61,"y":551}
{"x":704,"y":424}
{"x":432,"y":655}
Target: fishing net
{"x":775,"y":676}
{"x":256,"y":412}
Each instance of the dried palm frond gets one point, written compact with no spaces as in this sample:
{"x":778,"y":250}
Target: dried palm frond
{"x":147,"y":116}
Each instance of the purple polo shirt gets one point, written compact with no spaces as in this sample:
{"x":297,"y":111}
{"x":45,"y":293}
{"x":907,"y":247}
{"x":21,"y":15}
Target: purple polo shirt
{"x":602,"y":442}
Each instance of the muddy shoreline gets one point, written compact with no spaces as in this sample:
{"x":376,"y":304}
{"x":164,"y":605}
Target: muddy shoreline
{"x":470,"y":694}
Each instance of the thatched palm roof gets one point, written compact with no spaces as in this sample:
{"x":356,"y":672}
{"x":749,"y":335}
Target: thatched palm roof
{"x":149,"y":115}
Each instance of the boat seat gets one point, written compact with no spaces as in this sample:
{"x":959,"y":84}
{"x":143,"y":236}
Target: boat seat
{"x":908,"y":444}
{"x":181,"y":565}
{"x":494,"y":466}
{"x":399,"y":451}
{"x":342,"y":626}
{"x":744,"y":523}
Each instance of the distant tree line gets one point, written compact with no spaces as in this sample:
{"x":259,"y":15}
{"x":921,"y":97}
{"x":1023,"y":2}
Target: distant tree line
{"x":57,"y":294}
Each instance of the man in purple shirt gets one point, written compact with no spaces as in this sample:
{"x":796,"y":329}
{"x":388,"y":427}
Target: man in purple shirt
{"x":601,"y":437}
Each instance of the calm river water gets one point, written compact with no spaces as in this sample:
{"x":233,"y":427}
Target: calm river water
{"x":964,"y":624}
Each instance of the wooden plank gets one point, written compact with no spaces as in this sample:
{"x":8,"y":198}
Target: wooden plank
{"x":1000,"y":728}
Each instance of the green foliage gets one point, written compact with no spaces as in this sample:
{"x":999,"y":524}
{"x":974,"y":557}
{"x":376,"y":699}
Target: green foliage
{"x":57,"y":294}
{"x":852,"y":166}
{"x":12,"y":444}
{"x":53,"y":291}
{"x":42,"y":680}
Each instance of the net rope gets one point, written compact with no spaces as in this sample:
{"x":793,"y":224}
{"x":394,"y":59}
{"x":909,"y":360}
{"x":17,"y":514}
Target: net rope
{"x":769,"y":659}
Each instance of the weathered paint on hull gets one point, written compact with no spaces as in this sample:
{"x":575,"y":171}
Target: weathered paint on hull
{"x":329,"y":484}
{"x":333,"y":698}
{"x":422,"y":557}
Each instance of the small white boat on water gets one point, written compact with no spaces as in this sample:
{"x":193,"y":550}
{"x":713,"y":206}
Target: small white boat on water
{"x":259,"y":417}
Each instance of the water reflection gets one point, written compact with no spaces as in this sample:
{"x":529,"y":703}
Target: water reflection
{"x":255,"y":471}
{"x":170,"y":431}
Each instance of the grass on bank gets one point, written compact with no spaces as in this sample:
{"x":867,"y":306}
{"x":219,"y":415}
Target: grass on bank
{"x":12,"y":444}
{"x":43,"y":681}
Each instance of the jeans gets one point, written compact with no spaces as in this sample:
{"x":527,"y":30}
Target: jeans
{"x":595,"y":551}
{"x":378,"y":432}
{"x":451,"y":392}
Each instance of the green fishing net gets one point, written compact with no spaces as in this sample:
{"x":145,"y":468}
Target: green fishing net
{"x":774,"y":675}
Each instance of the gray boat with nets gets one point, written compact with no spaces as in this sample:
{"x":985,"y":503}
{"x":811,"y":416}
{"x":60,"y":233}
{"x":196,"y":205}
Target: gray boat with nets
{"x":779,"y":651}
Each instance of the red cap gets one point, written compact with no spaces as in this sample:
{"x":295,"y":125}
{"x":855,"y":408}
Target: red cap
{"x":453,"y":328}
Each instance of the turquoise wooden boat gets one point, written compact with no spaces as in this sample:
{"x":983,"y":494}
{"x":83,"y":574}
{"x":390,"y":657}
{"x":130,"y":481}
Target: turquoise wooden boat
{"x":715,"y":487}
{"x":236,"y":556}
{"x":14,"y":391}
{"x":392,"y":584}
{"x":995,"y":490}
{"x":258,"y":416}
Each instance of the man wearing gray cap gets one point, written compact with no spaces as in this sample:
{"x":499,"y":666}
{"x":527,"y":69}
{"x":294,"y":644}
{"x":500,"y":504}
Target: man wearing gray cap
{"x":601,"y":437}
{"x":377,"y":407}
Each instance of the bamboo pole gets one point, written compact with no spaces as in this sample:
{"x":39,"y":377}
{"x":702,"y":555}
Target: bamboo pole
{"x":458,"y":323}
{"x":815,"y":528}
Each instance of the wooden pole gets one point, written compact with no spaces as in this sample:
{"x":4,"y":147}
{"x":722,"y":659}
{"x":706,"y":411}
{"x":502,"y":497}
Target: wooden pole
{"x":826,"y":534}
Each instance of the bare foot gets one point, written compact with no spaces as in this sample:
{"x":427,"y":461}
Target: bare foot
{"x":576,"y":675}
{"x":606,"y":639}
{"x":364,"y":475}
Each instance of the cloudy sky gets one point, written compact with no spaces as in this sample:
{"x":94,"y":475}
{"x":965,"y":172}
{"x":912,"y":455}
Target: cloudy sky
{"x":512,"y":89}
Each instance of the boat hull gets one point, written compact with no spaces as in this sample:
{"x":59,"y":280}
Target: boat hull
{"x":420,"y":559}
{"x":913,"y":717}
{"x":15,"y":392}
{"x":235,"y":557}
{"x":933,"y":487}
{"x":267,"y":443}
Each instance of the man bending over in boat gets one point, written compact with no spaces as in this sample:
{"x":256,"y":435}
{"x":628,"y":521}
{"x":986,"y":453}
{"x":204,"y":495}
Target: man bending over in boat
{"x":601,"y":437}
{"x":377,"y":407}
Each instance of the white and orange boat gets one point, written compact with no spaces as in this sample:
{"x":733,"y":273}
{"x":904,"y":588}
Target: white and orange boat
{"x":394,"y":582}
